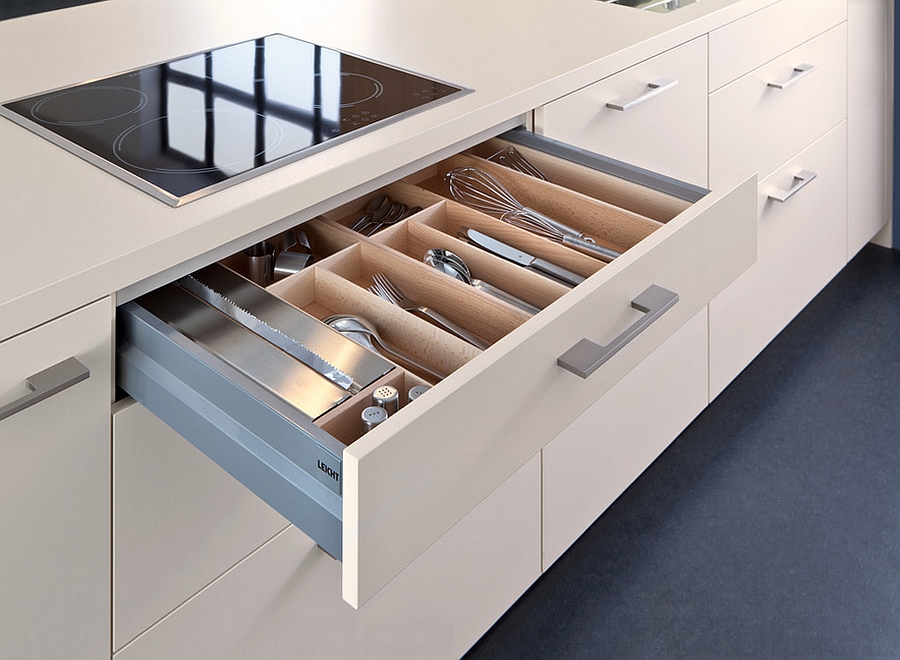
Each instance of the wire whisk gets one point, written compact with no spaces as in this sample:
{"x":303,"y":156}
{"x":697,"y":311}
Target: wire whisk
{"x":478,"y":189}
{"x":515,"y":160}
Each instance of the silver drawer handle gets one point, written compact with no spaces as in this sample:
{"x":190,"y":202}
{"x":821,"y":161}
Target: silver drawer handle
{"x":585,"y":357}
{"x":654,"y":88}
{"x":801,"y":179}
{"x":46,"y":383}
{"x":799,"y":71}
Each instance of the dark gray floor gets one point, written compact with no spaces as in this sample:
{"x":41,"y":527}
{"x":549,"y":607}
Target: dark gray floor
{"x":770,"y":529}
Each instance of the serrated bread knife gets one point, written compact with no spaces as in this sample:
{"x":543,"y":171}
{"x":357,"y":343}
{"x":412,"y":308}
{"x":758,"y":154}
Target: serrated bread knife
{"x":297,"y":334}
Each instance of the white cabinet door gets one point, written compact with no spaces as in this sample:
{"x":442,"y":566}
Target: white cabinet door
{"x":179,"y":521}
{"x":55,"y":492}
{"x":661,"y":128}
{"x":587,"y":466}
{"x":756,"y":125}
{"x":868,"y":172}
{"x":743,"y":45}
{"x":801,"y":247}
{"x":284,"y":600}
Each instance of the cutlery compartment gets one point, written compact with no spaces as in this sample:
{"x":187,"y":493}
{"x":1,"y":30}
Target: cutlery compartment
{"x":438,"y":226}
{"x":378,"y":500}
{"x":609,"y":225}
{"x":628,"y":187}
{"x":338,"y":286}
{"x":459,"y":303}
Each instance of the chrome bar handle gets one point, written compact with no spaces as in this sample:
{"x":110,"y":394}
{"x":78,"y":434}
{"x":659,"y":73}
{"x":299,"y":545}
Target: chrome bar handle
{"x":799,"y":71}
{"x":46,"y":383}
{"x":801,"y":179}
{"x":654,"y":88}
{"x":585,"y":357}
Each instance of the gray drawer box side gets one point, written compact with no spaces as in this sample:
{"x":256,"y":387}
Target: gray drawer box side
{"x":171,"y":377}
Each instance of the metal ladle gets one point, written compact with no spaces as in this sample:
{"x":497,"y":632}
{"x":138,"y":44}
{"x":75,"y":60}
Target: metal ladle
{"x":364,"y":333}
{"x":454,"y":266}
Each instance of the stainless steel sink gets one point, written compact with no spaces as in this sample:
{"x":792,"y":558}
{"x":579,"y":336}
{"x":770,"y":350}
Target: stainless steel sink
{"x":662,"y":6}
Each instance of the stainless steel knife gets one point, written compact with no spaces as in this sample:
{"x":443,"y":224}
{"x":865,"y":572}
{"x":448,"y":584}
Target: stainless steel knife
{"x":308,"y":341}
{"x":516,"y":256}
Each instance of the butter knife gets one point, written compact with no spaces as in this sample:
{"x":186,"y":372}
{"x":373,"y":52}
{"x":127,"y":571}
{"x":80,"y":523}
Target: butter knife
{"x":501,"y":249}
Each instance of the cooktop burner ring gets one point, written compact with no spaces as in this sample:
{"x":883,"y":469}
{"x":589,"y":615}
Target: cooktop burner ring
{"x":367,"y":94}
{"x":117,"y":101}
{"x":274,"y":137}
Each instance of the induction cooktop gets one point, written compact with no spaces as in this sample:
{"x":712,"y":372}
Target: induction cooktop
{"x":188,"y":127}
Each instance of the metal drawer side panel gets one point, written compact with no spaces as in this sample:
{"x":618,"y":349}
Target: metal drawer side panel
{"x":235,"y":423}
{"x":647,"y":178}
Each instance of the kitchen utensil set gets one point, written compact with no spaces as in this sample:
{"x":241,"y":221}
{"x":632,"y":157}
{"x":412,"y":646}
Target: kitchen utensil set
{"x":363,"y":332}
{"x":382,"y":212}
{"x":453,"y":265}
{"x":480,"y":190}
{"x":513,"y":159}
{"x":385,"y":289}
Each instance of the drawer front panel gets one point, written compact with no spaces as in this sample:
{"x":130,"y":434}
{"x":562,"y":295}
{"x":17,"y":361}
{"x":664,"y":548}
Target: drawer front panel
{"x":414,"y":476}
{"x":742,"y":46}
{"x":54,"y":489}
{"x":672,"y":126}
{"x":233,"y":420}
{"x":756,"y":126}
{"x":411,"y":478}
{"x":179,"y":521}
{"x":284,"y":600}
{"x":587,"y":466}
{"x":802,"y":245}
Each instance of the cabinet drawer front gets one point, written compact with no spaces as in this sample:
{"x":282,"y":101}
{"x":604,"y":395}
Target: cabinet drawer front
{"x":672,"y":126}
{"x":411,"y":478}
{"x":54,"y":491}
{"x":801,"y":247}
{"x":742,"y":46}
{"x":756,"y":126}
{"x":179,"y":521}
{"x":284,"y":600}
{"x":587,"y":466}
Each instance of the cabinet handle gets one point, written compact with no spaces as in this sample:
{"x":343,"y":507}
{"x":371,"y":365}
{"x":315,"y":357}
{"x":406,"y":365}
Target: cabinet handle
{"x":799,"y":71}
{"x":585,"y":357}
{"x":46,"y":383}
{"x":801,"y":179}
{"x":654,"y":88}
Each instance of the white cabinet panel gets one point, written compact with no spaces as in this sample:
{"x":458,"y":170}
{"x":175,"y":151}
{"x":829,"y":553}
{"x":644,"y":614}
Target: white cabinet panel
{"x":55,"y":494}
{"x":587,"y":466}
{"x":284,"y":601}
{"x":754,"y":126}
{"x":405,"y":481}
{"x":666,"y":133}
{"x":868,"y":110}
{"x":751,"y":41}
{"x":179,"y":521}
{"x":802,"y":245}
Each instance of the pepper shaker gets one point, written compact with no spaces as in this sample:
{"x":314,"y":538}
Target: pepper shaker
{"x":372,"y":417}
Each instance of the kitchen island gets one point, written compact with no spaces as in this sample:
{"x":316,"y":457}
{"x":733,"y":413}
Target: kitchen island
{"x":229,"y":577}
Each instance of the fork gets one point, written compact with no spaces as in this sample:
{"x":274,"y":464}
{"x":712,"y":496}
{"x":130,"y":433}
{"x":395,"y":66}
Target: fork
{"x":386,"y":290}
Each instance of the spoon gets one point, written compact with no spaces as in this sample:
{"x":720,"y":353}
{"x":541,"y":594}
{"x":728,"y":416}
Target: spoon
{"x":364,"y":333}
{"x":377,"y":209}
{"x":454,"y":266}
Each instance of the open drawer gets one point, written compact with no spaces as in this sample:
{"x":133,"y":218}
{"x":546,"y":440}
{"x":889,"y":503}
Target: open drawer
{"x":377,"y":499}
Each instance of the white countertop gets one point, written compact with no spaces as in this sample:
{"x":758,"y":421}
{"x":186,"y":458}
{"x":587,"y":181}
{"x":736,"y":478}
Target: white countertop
{"x":72,"y":233}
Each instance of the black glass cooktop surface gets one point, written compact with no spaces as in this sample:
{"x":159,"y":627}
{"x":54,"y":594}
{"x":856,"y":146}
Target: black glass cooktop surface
{"x":188,"y":127}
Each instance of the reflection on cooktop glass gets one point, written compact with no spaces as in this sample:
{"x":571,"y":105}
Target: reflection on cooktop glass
{"x":182,"y":129}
